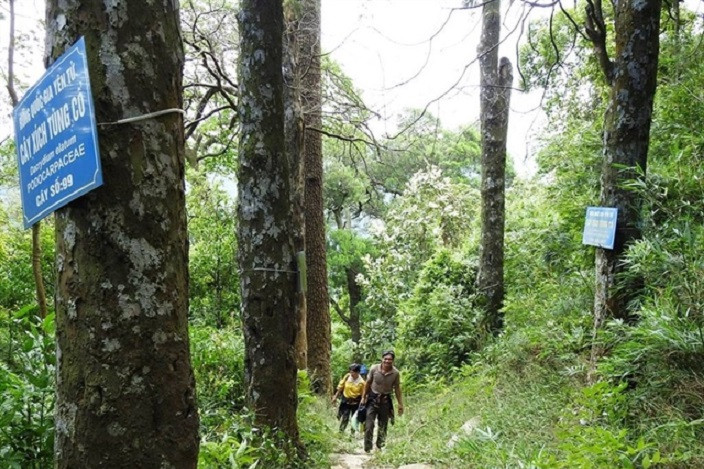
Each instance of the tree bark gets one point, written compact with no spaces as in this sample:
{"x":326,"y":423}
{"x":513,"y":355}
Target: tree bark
{"x":318,"y":322}
{"x":125,"y":387}
{"x":294,"y":128}
{"x":355,"y":292}
{"x":626,"y":136}
{"x":266,"y":251}
{"x":495,"y":93}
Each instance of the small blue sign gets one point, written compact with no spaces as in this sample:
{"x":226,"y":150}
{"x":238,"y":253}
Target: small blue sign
{"x":600,"y":227}
{"x":56,"y":138}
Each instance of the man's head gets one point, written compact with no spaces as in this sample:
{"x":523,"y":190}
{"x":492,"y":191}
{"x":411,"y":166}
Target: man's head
{"x":387,"y":358}
{"x":355,"y":368}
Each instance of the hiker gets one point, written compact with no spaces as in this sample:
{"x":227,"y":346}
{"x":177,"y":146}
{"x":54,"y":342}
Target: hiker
{"x":351,"y":386}
{"x":382,"y":379}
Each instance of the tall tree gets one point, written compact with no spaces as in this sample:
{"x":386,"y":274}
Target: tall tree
{"x":266,"y":252}
{"x":318,"y":308}
{"x":294,"y":129}
{"x":125,"y":387}
{"x":347,"y":293}
{"x":632,"y":76}
{"x":496,"y":80}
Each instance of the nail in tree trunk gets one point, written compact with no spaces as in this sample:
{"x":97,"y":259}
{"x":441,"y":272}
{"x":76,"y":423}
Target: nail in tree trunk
{"x":318,"y":302}
{"x":125,"y":388}
{"x":633,"y":79}
{"x":266,"y":250}
{"x":496,"y":81}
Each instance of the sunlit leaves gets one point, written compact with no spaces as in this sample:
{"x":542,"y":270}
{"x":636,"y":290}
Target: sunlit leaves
{"x":214,"y":286}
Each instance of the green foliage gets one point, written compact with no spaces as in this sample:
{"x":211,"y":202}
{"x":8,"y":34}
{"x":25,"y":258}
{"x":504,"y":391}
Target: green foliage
{"x":433,"y":213}
{"x":314,"y":423}
{"x":27,"y":369}
{"x":511,"y":413}
{"x":212,"y":225}
{"x":239,"y":443}
{"x":8,"y":166}
{"x":561,"y":62}
{"x":229,"y":438}
{"x":425,"y":144}
{"x":344,"y":189}
{"x":439,"y":326}
{"x":346,"y":249}
{"x":591,"y":433}
{"x":217,"y":357}
{"x":17,"y":287}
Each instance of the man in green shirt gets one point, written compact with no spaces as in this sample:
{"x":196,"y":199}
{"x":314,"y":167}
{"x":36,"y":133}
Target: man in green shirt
{"x":381,"y":380}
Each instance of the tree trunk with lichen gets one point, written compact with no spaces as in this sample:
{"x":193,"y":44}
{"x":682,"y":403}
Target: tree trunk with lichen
{"x":125,"y":387}
{"x":318,"y":301}
{"x":354,"y":290}
{"x":266,"y":251}
{"x":496,"y":81}
{"x":633,"y":79}
{"x":294,"y":128}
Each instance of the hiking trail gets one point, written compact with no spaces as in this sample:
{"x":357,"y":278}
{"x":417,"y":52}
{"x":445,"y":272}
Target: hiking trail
{"x":360,"y":460}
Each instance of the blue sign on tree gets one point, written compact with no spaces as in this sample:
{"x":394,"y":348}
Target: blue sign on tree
{"x":56,"y":138}
{"x":600,"y":227}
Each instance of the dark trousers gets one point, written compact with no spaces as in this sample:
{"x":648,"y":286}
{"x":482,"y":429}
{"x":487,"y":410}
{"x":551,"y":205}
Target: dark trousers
{"x":346,"y":410}
{"x":378,"y":409}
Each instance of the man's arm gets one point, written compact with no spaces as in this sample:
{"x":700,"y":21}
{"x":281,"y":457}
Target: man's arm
{"x":399,"y":396}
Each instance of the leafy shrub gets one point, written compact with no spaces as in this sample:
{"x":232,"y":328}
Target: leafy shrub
{"x":593,"y":433}
{"x":217,"y":356}
{"x":17,"y":287}
{"x":439,"y":326}
{"x":27,"y":387}
{"x":239,"y":443}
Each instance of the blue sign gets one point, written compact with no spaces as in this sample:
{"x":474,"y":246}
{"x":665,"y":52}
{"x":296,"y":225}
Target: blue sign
{"x":600,"y":227}
{"x":55,"y":134}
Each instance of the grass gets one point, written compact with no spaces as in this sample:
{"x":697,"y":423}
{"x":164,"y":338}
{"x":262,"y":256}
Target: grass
{"x":516,"y":412}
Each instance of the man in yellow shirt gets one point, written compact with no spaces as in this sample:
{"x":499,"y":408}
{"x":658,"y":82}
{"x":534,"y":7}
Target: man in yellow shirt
{"x":351,"y":386}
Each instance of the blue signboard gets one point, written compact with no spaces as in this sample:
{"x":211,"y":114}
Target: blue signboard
{"x":55,"y":134}
{"x":600,"y":227}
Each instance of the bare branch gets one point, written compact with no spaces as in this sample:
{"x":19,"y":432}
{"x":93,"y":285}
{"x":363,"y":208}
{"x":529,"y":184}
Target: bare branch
{"x":342,"y":137}
{"x":11,"y":57}
{"x":596,"y":31}
{"x":339,"y":311}
{"x":571,"y":20}
{"x":452,"y":87}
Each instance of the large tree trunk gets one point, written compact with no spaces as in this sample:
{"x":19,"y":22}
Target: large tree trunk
{"x":125,"y":388}
{"x":318,"y":312}
{"x":355,"y":291}
{"x":626,"y":136}
{"x":265,"y":248}
{"x":294,"y":128}
{"x":495,"y":84}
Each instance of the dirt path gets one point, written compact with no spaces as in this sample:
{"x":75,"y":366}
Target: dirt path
{"x":360,"y":460}
{"x":356,"y":460}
